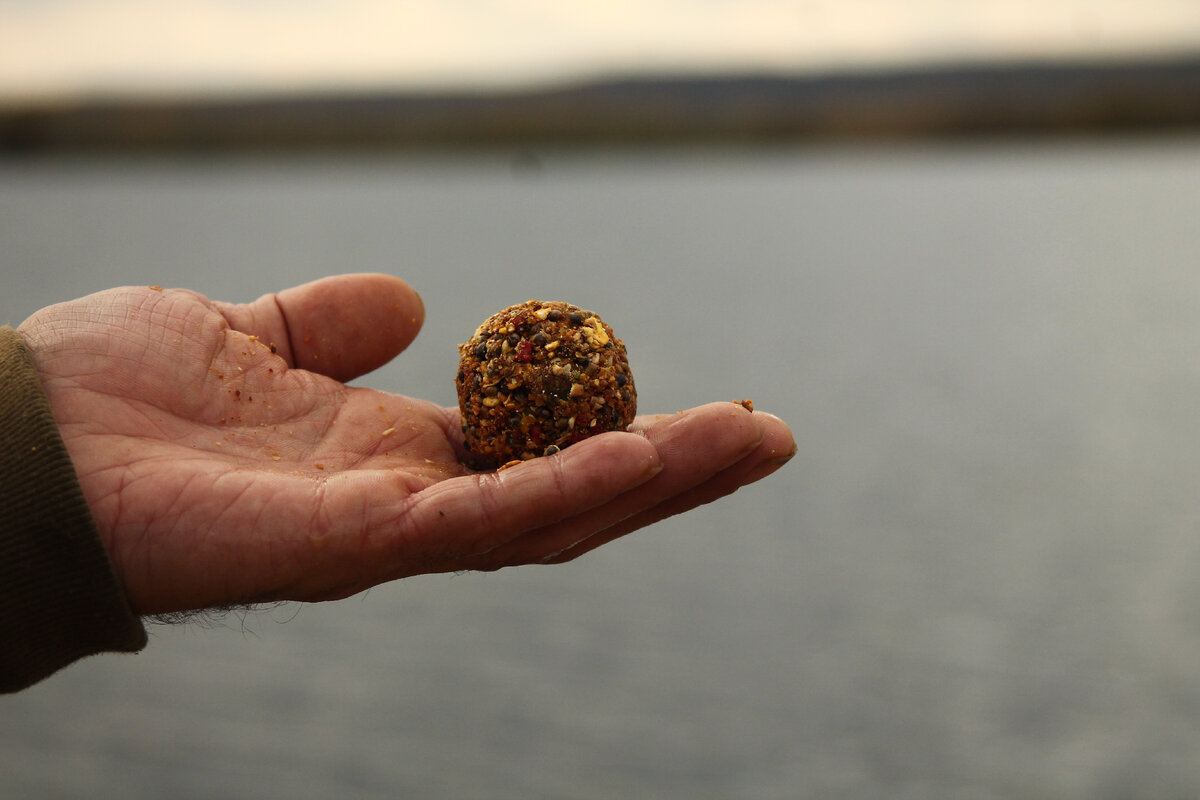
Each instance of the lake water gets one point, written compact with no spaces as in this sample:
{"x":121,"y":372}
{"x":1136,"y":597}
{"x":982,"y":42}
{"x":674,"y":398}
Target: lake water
{"x":980,"y":576}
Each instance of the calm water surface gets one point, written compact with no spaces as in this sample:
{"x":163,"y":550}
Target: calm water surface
{"x":980,"y":577}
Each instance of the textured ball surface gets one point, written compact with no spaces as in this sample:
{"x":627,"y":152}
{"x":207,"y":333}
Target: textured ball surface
{"x":538,"y":377}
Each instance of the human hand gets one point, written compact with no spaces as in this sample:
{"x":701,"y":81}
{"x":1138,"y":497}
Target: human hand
{"x":226,"y":462}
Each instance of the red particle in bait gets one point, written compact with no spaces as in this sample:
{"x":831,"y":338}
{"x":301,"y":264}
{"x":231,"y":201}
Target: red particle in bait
{"x":536,"y":436}
{"x":525,"y":351}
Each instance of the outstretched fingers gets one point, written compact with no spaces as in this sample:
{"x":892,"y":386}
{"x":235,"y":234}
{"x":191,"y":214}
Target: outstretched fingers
{"x":457,"y":523}
{"x":705,"y":453}
{"x":342,"y":326}
{"x":774,"y":450}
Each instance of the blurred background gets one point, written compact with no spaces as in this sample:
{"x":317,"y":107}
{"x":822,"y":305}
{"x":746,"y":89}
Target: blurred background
{"x":951,"y":243}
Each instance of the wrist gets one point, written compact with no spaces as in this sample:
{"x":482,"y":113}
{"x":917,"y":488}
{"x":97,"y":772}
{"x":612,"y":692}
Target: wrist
{"x":59,"y":597}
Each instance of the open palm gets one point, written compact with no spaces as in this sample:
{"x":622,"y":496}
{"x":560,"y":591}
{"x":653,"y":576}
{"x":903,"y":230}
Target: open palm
{"x":226,"y":462}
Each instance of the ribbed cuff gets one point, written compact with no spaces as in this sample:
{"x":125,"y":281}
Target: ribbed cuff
{"x":59,"y":597}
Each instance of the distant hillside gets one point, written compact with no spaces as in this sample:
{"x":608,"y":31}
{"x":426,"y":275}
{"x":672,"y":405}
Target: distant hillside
{"x":998,"y":98}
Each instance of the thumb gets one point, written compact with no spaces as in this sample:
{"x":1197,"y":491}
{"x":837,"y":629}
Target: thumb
{"x":342,"y":326}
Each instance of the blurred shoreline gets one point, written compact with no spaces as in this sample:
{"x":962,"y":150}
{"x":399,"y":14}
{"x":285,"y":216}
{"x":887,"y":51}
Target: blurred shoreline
{"x":947,"y":101}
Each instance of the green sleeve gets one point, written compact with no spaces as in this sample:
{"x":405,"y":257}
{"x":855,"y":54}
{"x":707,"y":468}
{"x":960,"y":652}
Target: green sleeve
{"x":59,"y":597}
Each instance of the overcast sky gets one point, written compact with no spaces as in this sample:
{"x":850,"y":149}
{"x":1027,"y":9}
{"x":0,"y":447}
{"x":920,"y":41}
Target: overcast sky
{"x":70,"y":47}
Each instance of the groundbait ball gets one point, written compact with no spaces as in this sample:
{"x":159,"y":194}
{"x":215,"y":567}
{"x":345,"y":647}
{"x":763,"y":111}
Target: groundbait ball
{"x":538,"y":377}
